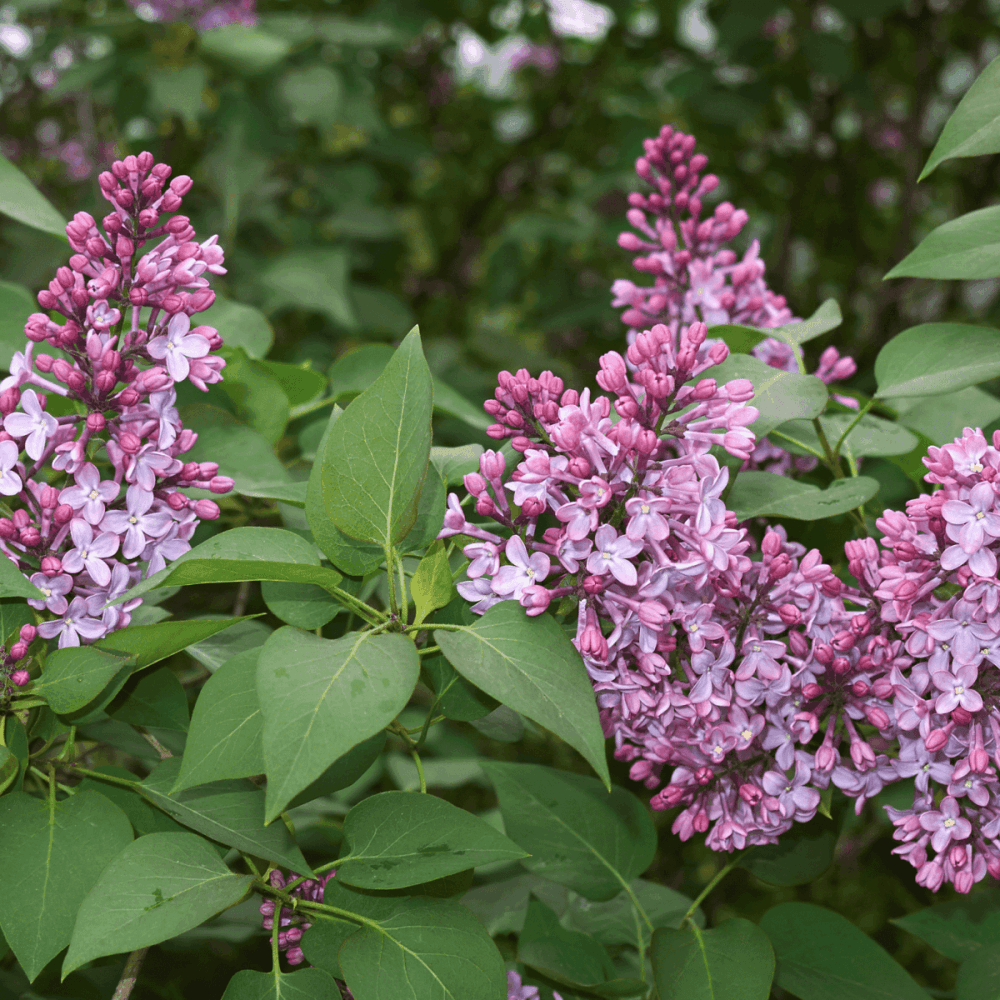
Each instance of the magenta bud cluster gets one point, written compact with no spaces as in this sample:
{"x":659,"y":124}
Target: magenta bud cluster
{"x":292,"y":924}
{"x":202,"y":14}
{"x":96,"y":488}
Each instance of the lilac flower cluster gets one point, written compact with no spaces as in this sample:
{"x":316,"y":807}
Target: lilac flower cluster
{"x":203,"y":14}
{"x":932,"y":581}
{"x":696,"y":278}
{"x":95,"y":493}
{"x":292,"y":924}
{"x":742,"y":672}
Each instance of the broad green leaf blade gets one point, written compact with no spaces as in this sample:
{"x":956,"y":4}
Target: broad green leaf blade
{"x":344,"y":770}
{"x":60,"y":851}
{"x":156,"y":699}
{"x":13,"y":583}
{"x":567,"y":956}
{"x":871,"y":436}
{"x":302,"y":384}
{"x":320,"y":697}
{"x":16,"y":305}
{"x":303,"y":984}
{"x":800,"y":856}
{"x":456,"y":697}
{"x":246,"y":50}
{"x":826,"y":318}
{"x":966,"y":248}
{"x":352,"y":557}
{"x":227,"y":728}
{"x":431,"y":506}
{"x":454,"y":463}
{"x":304,"y":605}
{"x":378,"y":451}
{"x":426,"y":949}
{"x":960,"y":927}
{"x":734,"y":961}
{"x":778,"y":395}
{"x":934,"y":358}
{"x":158,"y":887}
{"x":452,"y":403}
{"x":230,"y":812}
{"x":431,"y":585}
{"x":76,"y":675}
{"x":942,"y":418}
{"x":530,"y":665}
{"x":148,"y":644}
{"x":397,"y":839}
{"x":739,"y":339}
{"x":239,"y":553}
{"x":321,"y":944}
{"x":822,"y":956}
{"x":974,"y":126}
{"x":502,"y":906}
{"x":256,"y":395}
{"x":979,"y":976}
{"x":616,"y":921}
{"x":577,"y":834}
{"x":21,"y":200}
{"x":755,"y":494}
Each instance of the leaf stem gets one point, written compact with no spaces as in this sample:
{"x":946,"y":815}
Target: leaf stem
{"x":832,"y":460}
{"x":357,"y":607}
{"x":850,"y":427}
{"x":716,"y":879}
{"x":428,"y":649}
{"x":389,"y":570}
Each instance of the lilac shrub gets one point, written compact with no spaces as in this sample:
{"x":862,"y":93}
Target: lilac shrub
{"x":96,"y":493}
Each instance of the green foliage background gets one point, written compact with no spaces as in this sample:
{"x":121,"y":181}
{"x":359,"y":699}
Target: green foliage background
{"x":358,"y":187}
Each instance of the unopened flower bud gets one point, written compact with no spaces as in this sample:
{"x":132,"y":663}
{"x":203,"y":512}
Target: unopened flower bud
{"x":28,"y":633}
{"x":208,"y":510}
{"x":961,"y":716}
{"x":52,"y":565}
{"x":129,"y":442}
{"x":19,"y":651}
{"x":176,"y":501}
{"x":789,"y":614}
{"x":9,"y":399}
{"x":20,"y":677}
{"x":221,"y":484}
{"x":96,"y":422}
{"x":105,"y":381}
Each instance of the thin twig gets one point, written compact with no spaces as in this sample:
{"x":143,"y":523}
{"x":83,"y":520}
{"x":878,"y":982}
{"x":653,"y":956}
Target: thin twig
{"x":242,"y":597}
{"x":129,"y":974}
{"x":153,"y":742}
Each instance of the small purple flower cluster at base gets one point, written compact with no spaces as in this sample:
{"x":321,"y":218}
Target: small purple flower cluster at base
{"x":516,"y":991}
{"x":292,"y":924}
{"x":84,"y":532}
{"x":202,"y":14}
{"x":696,"y":278}
{"x":12,"y":676}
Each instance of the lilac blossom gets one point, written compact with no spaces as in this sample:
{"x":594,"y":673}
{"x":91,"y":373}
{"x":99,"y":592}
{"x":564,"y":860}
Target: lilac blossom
{"x":33,"y":424}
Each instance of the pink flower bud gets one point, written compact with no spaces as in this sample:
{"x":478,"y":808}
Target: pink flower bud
{"x":75,"y":380}
{"x":535,"y":599}
{"x":128,"y":397}
{"x":9,"y":399}
{"x":20,"y":677}
{"x":176,"y":501}
{"x":124,"y":248}
{"x":104,"y":381}
{"x":936,"y":739}
{"x":594,"y":585}
{"x":21,"y":519}
{"x":789,"y":614}
{"x":96,"y":421}
{"x":485,"y":507}
{"x":28,"y":633}
{"x":52,"y":565}
{"x":19,"y":651}
{"x":129,"y":442}
{"x":812,"y":690}
{"x":30,"y":537}
{"x":208,"y":510}
{"x":49,"y":498}
{"x":876,"y":716}
{"x":474,"y":483}
{"x":221,"y":484}
{"x":961,"y":716}
{"x":63,"y":514}
{"x":750,"y":794}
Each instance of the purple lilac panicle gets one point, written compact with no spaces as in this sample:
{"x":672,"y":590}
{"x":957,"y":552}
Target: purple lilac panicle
{"x":203,"y":14}
{"x":292,"y":924}
{"x":696,"y":277}
{"x":97,"y":495}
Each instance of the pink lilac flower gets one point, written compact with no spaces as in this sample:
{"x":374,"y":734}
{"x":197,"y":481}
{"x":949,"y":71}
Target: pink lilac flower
{"x":122,"y":341}
{"x":292,"y":924}
{"x":696,"y":277}
{"x":203,"y":14}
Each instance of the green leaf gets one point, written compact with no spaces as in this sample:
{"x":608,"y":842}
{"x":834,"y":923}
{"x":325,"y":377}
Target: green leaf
{"x":577,"y":834}
{"x":304,"y":605}
{"x":16,"y":305}
{"x":13,"y":583}
{"x":13,"y":614}
{"x":431,"y":506}
{"x":755,"y":494}
{"x":739,"y":339}
{"x":800,"y":856}
{"x":156,"y":699}
{"x":734,"y":961}
{"x":300,"y":383}
{"x":822,"y":956}
{"x":454,"y":463}
{"x":257,"y":396}
{"x":241,"y":554}
{"x":211,"y":653}
{"x":352,"y":557}
{"x":530,"y":665}
{"x":457,"y":698}
{"x":320,"y":697}
{"x":321,"y":944}
{"x":452,"y":403}
{"x":352,"y":373}
{"x":239,"y":325}
{"x":248,"y":51}
{"x":974,"y":126}
{"x":778,"y":395}
{"x":179,"y":91}
{"x":567,"y":956}
{"x":403,"y":838}
{"x":158,"y":887}
{"x":431,"y":585}
{"x":344,"y":771}
{"x":979,"y":976}
{"x":425,"y":948}
{"x":826,"y":318}
{"x":230,"y":812}
{"x":60,"y":850}
{"x":502,"y":906}
{"x":149,"y":644}
{"x":966,"y":248}
{"x":960,"y":927}
{"x":303,"y":984}
{"x":21,"y":200}
{"x":241,"y":452}
{"x":934,"y":358}
{"x":871,"y":436}
{"x":311,"y":279}
{"x":75,"y":675}
{"x":942,"y":418}
{"x":143,"y":817}
{"x":226,"y":732}
{"x":377,"y":454}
